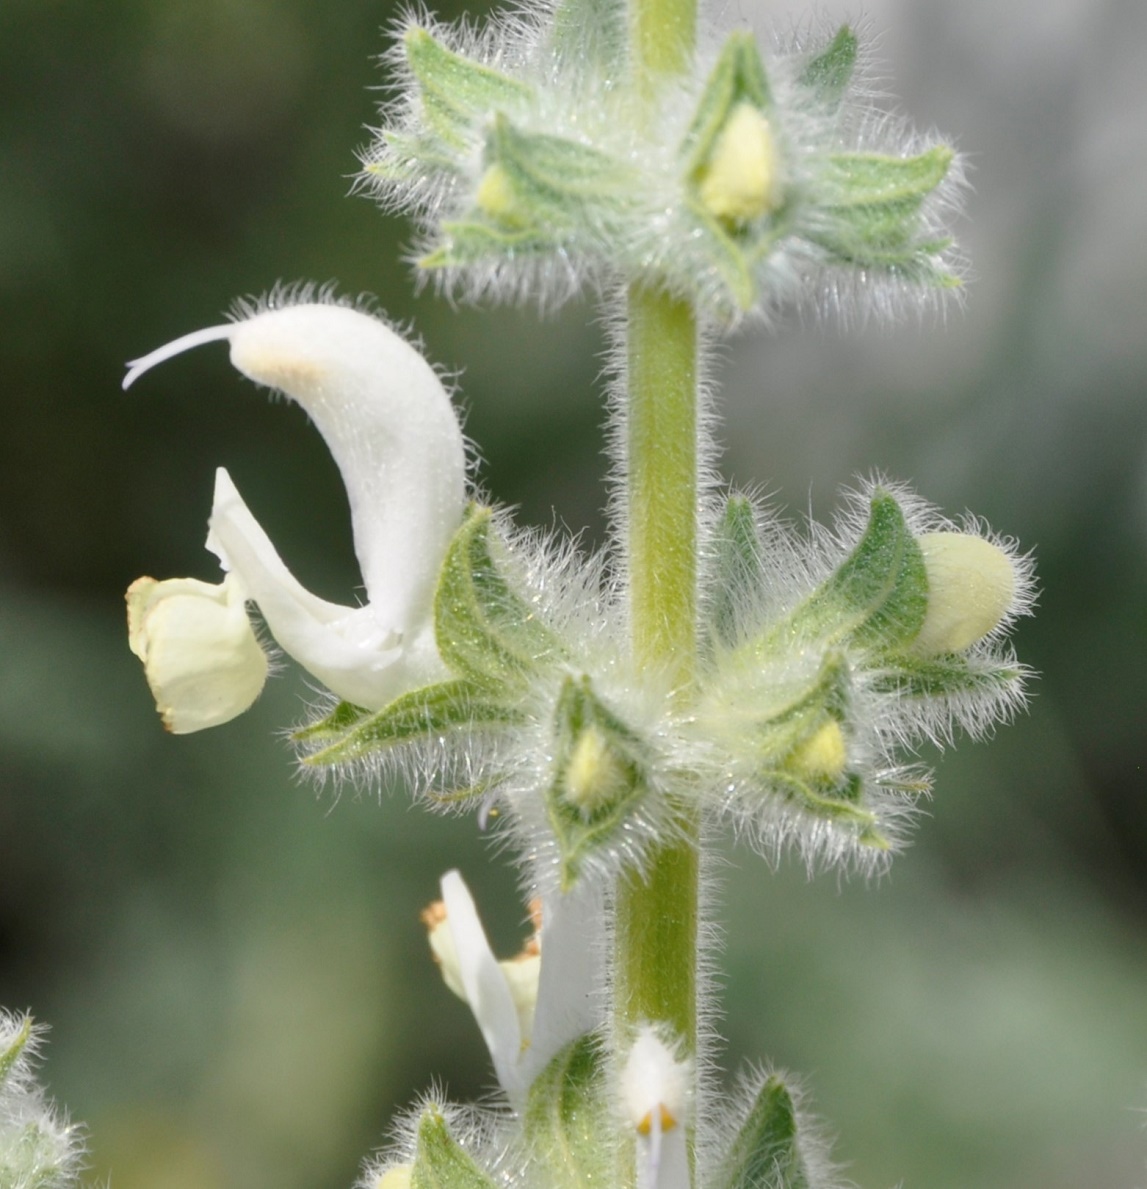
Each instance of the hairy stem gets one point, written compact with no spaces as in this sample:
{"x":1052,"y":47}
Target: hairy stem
{"x":662,"y":479}
{"x":656,"y":923}
{"x":656,"y":912}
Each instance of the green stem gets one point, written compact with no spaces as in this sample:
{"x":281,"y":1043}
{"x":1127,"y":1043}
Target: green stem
{"x":656,"y":913}
{"x":662,"y":479}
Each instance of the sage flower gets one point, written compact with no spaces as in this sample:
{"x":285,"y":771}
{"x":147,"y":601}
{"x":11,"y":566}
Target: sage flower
{"x":530,"y":1006}
{"x":655,"y":1091}
{"x":391,"y":428}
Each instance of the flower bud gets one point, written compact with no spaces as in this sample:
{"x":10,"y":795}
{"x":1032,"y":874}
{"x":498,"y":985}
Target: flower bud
{"x":740,"y":181}
{"x":823,"y":755}
{"x":594,"y":775}
{"x":398,"y":1176}
{"x":971,"y":588}
{"x":202,"y":659}
{"x":496,"y":198}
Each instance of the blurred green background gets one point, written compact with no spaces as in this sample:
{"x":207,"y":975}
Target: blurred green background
{"x":231,"y":963}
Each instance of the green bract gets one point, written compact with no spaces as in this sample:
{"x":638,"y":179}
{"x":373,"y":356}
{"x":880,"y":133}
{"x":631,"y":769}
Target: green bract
{"x":14,"y":1049}
{"x":876,"y":599}
{"x":456,"y":91}
{"x":537,"y":194}
{"x":485,"y":630}
{"x":602,"y":771}
{"x":567,"y":1122}
{"x":440,"y":1162}
{"x":765,"y":1150}
{"x":738,"y":553}
{"x":349,"y":733}
{"x":827,"y":75}
{"x":808,"y":686}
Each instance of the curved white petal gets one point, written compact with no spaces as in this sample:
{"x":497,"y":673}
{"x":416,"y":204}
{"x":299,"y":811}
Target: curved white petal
{"x":352,"y":650}
{"x":572,"y":945}
{"x":487,"y":991}
{"x":391,"y":428}
{"x":520,"y":972}
{"x":531,"y":1006}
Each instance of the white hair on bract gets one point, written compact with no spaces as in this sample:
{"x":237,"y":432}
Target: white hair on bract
{"x":38,"y":1145}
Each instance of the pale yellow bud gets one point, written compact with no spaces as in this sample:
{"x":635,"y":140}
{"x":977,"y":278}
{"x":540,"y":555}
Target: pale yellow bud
{"x":740,"y":181}
{"x":594,"y":775}
{"x":823,"y":754}
{"x":496,"y":197}
{"x":201,"y":657}
{"x":971,"y":585}
{"x":397,"y":1177}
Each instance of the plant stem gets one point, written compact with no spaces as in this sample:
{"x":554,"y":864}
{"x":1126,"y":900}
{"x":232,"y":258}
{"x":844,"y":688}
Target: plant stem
{"x":656,"y":913}
{"x":662,"y":479}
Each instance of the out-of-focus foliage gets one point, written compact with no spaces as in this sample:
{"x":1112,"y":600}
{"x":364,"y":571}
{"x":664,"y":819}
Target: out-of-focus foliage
{"x":233,"y":968}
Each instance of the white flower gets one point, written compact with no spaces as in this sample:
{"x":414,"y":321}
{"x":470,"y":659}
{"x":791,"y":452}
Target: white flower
{"x":655,"y":1099}
{"x":393,"y":432}
{"x":203,"y":662}
{"x":528,"y":1008}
